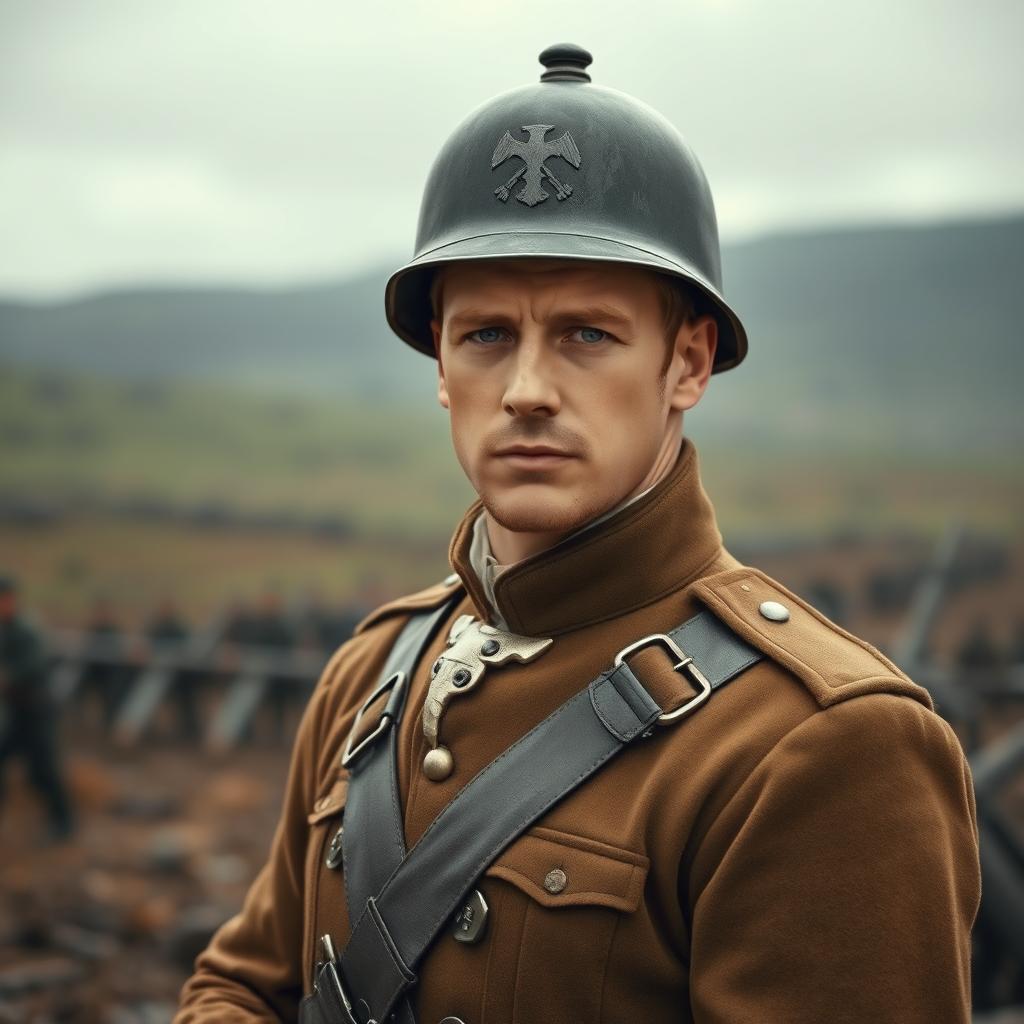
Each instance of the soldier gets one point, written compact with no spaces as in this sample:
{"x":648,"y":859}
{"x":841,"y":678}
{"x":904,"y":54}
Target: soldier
{"x":603,"y":772}
{"x":107,"y":677}
{"x":28,"y":715}
{"x":168,"y":634}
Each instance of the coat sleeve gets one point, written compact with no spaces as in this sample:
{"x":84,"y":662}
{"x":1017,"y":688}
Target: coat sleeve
{"x":251,"y":970}
{"x":841,"y":881}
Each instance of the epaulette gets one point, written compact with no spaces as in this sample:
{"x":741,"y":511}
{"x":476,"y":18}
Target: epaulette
{"x":833,"y":664}
{"x":431,"y":597}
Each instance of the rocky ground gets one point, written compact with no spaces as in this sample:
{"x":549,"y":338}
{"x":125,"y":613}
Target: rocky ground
{"x":103,"y":929}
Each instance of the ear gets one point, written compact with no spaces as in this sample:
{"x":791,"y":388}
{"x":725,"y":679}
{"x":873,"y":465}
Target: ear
{"x":690,"y":369}
{"x":442,"y":386}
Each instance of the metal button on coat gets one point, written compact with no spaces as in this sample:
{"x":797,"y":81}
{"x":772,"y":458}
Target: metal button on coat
{"x":555,"y":881}
{"x":334,"y":856}
{"x":471,"y":920}
{"x":438,"y":764}
{"x":774,"y":611}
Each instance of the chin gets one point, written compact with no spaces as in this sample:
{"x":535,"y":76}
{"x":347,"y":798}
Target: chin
{"x":531,"y":512}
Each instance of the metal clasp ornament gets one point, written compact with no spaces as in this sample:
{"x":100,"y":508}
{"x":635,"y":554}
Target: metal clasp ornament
{"x":472,"y":647}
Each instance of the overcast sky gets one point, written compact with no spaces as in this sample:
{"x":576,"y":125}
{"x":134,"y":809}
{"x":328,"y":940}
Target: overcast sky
{"x":215,"y":141}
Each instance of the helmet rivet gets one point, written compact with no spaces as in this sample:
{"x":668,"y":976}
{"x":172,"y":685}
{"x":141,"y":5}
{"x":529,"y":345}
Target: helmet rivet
{"x":565,"y":62}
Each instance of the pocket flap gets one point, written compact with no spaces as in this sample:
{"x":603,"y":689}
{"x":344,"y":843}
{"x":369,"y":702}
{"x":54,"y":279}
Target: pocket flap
{"x":331,"y":802}
{"x":559,"y":869}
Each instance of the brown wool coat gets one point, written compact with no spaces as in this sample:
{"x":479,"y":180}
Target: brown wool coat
{"x":803,"y":848}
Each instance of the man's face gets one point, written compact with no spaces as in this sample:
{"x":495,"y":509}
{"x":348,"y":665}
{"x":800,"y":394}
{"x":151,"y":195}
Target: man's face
{"x":553,"y":380}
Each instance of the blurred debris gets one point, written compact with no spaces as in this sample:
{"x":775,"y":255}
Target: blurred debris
{"x":191,"y":934}
{"x":33,"y":975}
{"x":106,"y":929}
{"x":171,"y":833}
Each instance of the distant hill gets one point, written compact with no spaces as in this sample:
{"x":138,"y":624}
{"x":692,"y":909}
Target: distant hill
{"x":889,"y":339}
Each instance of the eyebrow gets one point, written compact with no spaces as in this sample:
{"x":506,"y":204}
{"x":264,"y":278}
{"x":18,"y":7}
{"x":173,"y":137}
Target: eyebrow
{"x":598,"y":313}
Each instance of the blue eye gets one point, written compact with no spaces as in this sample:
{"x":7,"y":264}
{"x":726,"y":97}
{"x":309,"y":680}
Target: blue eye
{"x":591,"y":334}
{"x":487,"y":335}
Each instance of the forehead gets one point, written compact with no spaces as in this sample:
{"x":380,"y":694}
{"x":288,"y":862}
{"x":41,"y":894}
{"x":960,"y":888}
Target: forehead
{"x":512,"y":280}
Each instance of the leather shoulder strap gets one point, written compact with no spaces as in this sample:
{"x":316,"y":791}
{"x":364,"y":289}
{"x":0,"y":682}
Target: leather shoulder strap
{"x":373,"y":843}
{"x":397,"y":924}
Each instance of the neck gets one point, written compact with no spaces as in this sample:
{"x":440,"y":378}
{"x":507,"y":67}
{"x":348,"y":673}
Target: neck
{"x":511,"y":546}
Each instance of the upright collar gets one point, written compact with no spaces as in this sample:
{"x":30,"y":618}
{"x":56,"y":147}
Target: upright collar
{"x":646,"y":550}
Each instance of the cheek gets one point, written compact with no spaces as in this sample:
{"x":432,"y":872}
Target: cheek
{"x":469,"y":405}
{"x":624,"y":393}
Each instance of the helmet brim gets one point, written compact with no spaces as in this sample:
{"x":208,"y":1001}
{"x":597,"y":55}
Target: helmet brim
{"x":407,"y":295}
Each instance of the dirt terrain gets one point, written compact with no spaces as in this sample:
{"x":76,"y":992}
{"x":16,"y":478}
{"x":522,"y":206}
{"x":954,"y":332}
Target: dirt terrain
{"x":104,"y":929}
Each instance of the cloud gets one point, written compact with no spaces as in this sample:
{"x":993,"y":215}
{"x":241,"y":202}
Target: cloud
{"x":230,"y":140}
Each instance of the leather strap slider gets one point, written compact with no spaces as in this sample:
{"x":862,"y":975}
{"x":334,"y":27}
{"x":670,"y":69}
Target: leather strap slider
{"x":625,"y":708}
{"x":373,"y":958}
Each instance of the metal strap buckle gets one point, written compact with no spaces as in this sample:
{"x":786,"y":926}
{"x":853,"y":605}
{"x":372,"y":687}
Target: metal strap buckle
{"x":329,"y":977}
{"x":398,"y":679}
{"x":685,"y":664}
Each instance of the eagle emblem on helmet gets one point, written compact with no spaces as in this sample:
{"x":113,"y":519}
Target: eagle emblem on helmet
{"x":534,"y":152}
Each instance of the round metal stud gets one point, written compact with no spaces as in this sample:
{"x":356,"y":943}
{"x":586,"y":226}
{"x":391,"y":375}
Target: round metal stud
{"x":774,"y":611}
{"x":436,"y":667}
{"x":334,"y":854}
{"x":555,"y":881}
{"x":438,"y":764}
{"x":461,"y":677}
{"x":490,"y":647}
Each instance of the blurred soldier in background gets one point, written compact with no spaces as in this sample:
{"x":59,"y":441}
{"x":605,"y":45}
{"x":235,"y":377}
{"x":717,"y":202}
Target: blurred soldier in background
{"x":262,"y":630}
{"x":106,"y":676}
{"x":168,"y":633}
{"x":28,"y":714}
{"x":979,"y":654}
{"x":270,"y":630}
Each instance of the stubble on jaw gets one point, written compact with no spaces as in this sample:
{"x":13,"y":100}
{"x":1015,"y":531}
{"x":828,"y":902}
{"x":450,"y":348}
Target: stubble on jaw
{"x":538,"y":517}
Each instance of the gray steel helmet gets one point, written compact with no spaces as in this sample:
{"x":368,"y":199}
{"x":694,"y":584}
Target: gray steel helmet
{"x":571,"y":170}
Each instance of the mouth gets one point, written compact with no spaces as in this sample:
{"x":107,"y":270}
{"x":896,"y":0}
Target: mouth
{"x":524,"y":456}
{"x":534,"y":450}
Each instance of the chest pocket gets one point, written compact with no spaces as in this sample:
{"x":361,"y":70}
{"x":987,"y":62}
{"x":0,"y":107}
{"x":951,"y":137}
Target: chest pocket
{"x":325,"y":884}
{"x":554,"y":923}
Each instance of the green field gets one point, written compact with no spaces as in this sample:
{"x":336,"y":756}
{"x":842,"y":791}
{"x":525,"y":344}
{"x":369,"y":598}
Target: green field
{"x":125,"y":469}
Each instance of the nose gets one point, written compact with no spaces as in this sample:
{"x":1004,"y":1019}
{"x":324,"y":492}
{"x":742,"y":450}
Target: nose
{"x":532,"y":387}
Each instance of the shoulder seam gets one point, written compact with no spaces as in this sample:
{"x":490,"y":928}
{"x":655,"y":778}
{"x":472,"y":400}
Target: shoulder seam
{"x":820,"y":710}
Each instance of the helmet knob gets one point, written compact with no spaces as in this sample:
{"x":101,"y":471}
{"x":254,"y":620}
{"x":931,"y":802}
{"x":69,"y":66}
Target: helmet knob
{"x":565,"y":62}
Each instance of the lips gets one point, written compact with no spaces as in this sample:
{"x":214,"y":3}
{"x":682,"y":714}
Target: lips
{"x":534,"y":451}
{"x":533,"y":459}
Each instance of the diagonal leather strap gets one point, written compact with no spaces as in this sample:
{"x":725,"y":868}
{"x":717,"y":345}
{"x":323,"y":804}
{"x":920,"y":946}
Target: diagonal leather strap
{"x":373,"y":842}
{"x":397,"y":926}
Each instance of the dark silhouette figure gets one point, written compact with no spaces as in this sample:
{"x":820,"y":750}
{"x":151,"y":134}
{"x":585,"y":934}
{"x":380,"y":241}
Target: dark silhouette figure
{"x":270,"y":631}
{"x":106,"y":677}
{"x":28,"y":714}
{"x":978,"y":653}
{"x":168,"y":634}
